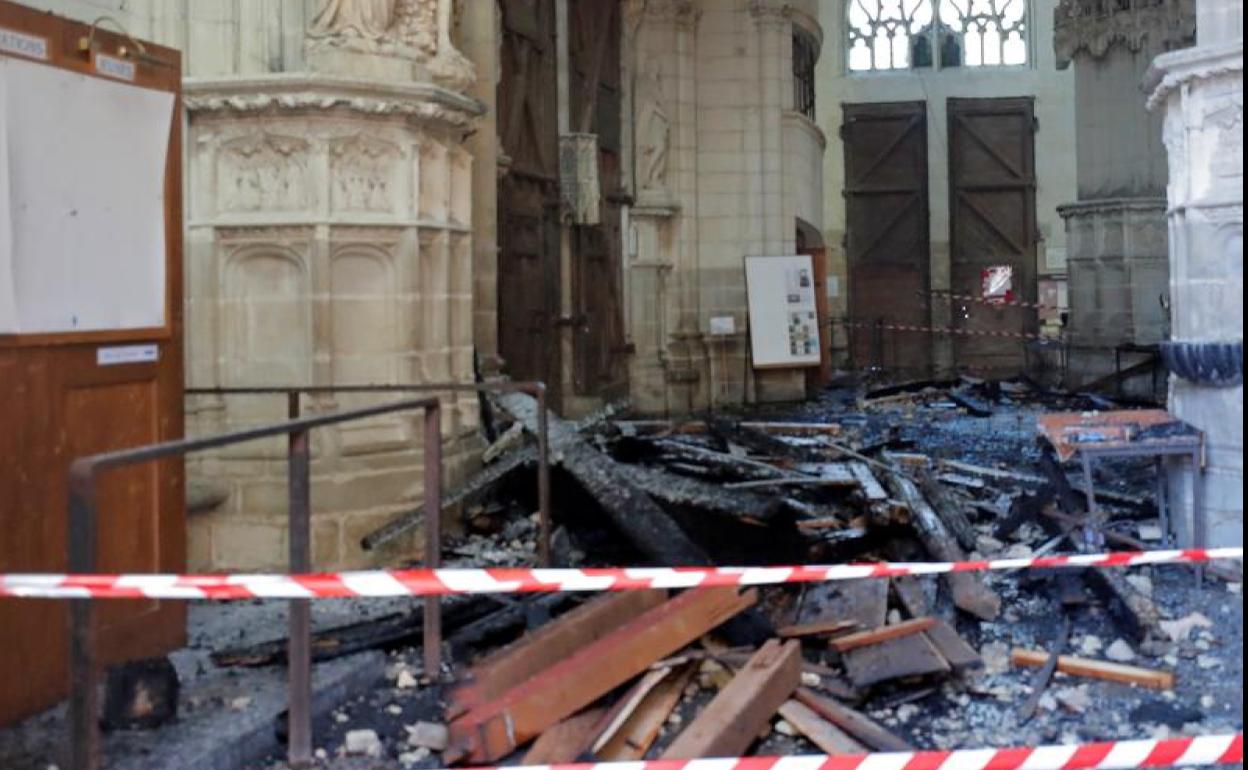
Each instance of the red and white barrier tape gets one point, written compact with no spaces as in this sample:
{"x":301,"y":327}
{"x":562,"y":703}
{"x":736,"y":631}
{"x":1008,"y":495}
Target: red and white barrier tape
{"x":993,"y":301}
{"x":435,"y":582}
{"x":1202,"y":751}
{"x":946,"y":330}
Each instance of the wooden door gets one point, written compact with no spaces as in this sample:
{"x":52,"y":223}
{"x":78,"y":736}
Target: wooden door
{"x":528,"y":194}
{"x":64,"y":395}
{"x":886,"y":237}
{"x":599,"y":367}
{"x":992,"y":211}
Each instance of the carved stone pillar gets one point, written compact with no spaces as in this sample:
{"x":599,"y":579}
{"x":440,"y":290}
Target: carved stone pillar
{"x":329,"y":242}
{"x":1116,"y":234}
{"x":1199,"y":92}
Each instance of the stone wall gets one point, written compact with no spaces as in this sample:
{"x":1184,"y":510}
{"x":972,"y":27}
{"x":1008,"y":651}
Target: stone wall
{"x":1056,"y":167}
{"x":329,"y":241}
{"x":1200,"y":94}
{"x":715,"y":179}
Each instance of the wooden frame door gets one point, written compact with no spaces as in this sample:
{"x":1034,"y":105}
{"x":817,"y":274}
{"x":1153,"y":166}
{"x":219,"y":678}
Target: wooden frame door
{"x":992,"y":213}
{"x":886,"y":238}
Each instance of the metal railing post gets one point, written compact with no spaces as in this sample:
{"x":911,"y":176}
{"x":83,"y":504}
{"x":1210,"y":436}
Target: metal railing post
{"x":299,"y":646}
{"x":543,"y":475}
{"x":433,"y":537}
{"x":83,"y":693}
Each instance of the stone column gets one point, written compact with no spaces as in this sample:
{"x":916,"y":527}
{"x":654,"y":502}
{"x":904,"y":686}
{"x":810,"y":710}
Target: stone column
{"x":479,"y":40}
{"x":1116,"y":232}
{"x":329,"y":234}
{"x":1199,"y":92}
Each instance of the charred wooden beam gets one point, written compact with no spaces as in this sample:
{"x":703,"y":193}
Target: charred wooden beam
{"x":672,"y":489}
{"x":970,"y":594}
{"x":733,"y":719}
{"x":496,"y":728}
{"x":950,"y":511}
{"x":860,"y":726}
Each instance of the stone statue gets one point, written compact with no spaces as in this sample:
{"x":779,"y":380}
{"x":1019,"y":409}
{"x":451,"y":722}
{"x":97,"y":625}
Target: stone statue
{"x":656,"y":133}
{"x":364,"y":19}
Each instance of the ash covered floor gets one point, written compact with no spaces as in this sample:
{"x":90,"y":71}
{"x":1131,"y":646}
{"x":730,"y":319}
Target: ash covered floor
{"x":985,"y":466}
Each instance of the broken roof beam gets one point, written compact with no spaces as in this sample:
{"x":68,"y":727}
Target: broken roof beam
{"x":881,"y":634}
{"x":860,"y":726}
{"x":826,"y":736}
{"x":636,"y":731}
{"x":1097,"y":669}
{"x":733,"y":719}
{"x":970,"y":593}
{"x":495,"y":729}
{"x":536,"y":651}
{"x":672,"y":489}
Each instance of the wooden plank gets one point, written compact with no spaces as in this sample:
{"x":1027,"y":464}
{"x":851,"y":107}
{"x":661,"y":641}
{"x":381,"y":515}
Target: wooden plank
{"x":566,"y":740}
{"x":1097,"y":669}
{"x":871,"y":487}
{"x":881,"y":634}
{"x":860,"y":726}
{"x":635,"y":737}
{"x":733,"y":719}
{"x":907,"y":656}
{"x":494,"y":729}
{"x":815,"y":629}
{"x":624,"y":707}
{"x":909,"y":590}
{"x":513,"y":664}
{"x":829,"y":738}
{"x":952,"y":648}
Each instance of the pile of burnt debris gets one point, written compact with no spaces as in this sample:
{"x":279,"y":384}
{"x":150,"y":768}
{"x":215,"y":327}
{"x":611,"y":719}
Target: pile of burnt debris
{"x":932,"y":471}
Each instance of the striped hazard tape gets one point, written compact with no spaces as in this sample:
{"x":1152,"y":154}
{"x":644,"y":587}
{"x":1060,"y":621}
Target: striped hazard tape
{"x":1201,"y":751}
{"x":945,"y":330}
{"x":992,"y":301}
{"x":435,"y":582}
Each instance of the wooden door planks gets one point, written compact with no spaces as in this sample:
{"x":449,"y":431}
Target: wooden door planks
{"x":495,"y":729}
{"x":733,"y":719}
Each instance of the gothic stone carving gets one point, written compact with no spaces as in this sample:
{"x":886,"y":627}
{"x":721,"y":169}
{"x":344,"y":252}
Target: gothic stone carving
{"x":363,"y":171}
{"x":412,"y":29}
{"x":263,"y":172}
{"x":1093,"y":27}
{"x":656,"y":130}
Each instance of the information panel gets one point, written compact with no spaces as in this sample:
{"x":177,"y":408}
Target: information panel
{"x":784,"y":326}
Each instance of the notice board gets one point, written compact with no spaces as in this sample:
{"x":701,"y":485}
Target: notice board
{"x":90,"y":329}
{"x":784,"y":324}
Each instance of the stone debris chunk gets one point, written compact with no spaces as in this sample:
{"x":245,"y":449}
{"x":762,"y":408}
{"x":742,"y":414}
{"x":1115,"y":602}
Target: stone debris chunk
{"x":1179,"y":630}
{"x":429,"y":735}
{"x":1120,"y":651}
{"x":362,"y":743}
{"x":406,"y":680}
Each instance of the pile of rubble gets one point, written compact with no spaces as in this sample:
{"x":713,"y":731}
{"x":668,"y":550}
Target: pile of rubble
{"x":872,"y":665}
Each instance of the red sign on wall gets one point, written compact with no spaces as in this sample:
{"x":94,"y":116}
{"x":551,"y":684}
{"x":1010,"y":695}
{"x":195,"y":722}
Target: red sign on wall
{"x":997,"y":284}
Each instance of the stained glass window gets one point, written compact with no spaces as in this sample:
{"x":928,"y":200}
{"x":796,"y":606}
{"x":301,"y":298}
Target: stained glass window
{"x":915,"y":34}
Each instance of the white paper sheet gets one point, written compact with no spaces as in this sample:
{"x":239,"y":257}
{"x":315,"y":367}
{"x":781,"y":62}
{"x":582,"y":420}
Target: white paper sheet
{"x":86,"y":170}
{"x":8,"y":303}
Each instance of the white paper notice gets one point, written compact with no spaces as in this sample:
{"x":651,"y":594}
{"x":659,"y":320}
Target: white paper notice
{"x":8,"y":303}
{"x":86,"y":199}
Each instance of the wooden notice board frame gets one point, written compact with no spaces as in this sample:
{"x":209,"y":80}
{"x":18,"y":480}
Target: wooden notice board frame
{"x":68,"y":394}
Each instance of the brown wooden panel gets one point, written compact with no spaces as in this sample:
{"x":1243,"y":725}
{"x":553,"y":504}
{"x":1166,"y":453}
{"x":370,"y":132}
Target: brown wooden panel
{"x":595,"y":98}
{"x":887,"y":241}
{"x":57,"y":403}
{"x":992,"y":210}
{"x":528,"y":194}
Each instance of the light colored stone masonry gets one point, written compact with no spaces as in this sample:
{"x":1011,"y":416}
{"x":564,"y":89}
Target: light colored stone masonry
{"x":329,"y":241}
{"x":1200,"y":93}
{"x":723,"y":169}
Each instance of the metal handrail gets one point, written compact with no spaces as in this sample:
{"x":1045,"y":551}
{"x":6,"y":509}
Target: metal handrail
{"x":84,"y":473}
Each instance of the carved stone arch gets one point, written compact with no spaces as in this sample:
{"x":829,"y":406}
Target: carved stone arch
{"x":266,"y":319}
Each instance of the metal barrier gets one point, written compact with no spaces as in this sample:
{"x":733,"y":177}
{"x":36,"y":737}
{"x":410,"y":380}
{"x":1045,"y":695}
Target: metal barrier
{"x":84,"y":473}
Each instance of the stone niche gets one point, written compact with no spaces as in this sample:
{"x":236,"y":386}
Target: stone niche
{"x":1200,"y":94}
{"x":329,"y":243}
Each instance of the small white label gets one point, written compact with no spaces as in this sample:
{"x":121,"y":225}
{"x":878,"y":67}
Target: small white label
{"x":126,"y":354}
{"x":20,"y":43}
{"x":723,"y":325}
{"x":113,"y":67}
{"x":833,"y":288}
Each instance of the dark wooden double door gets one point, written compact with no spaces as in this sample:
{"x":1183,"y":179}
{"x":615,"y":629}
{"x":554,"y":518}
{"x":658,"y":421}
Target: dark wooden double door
{"x":992,"y":222}
{"x":531,"y":283}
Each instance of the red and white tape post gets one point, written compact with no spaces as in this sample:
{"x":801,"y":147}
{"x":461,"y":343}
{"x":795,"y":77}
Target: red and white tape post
{"x":441,"y":582}
{"x":1201,"y":751}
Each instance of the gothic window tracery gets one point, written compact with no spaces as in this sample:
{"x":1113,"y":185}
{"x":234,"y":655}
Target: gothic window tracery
{"x":916,"y":34}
